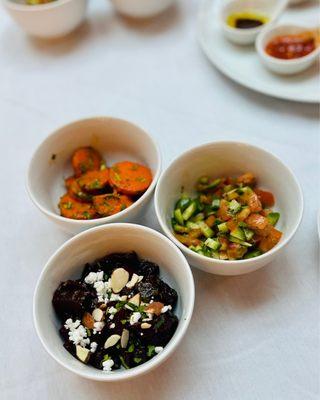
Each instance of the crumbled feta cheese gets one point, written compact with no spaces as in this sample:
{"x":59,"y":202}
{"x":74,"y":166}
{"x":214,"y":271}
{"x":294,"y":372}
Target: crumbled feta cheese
{"x":134,"y":280}
{"x":158,"y":349}
{"x":112,"y":310}
{"x":165,"y":309}
{"x":111,"y":316}
{"x":134,"y":318}
{"x":97,"y":327}
{"x":102,"y":289}
{"x":100,"y":276}
{"x":77,"y":333}
{"x":115,"y":297}
{"x":93,"y":277}
{"x":107,"y":365}
{"x":112,"y":326}
{"x":93,"y":347}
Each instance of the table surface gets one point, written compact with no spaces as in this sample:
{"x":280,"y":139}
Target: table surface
{"x":251,"y":337}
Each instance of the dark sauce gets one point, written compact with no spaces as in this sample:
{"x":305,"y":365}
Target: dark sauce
{"x":247,"y":23}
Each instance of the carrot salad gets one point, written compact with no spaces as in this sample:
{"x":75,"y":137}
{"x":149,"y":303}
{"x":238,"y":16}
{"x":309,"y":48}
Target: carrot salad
{"x":96,"y":191}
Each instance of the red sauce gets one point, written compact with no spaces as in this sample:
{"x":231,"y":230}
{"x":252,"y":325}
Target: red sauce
{"x":288,"y":47}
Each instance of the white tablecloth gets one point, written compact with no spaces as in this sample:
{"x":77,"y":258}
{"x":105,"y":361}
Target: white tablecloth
{"x":252,"y":337}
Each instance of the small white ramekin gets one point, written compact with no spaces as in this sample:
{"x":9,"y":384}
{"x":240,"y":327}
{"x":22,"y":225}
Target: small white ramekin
{"x":116,"y":139}
{"x":218,"y":159}
{"x":67,"y":263}
{"x":279,"y":66}
{"x":48,"y":21}
{"x":141,"y":8}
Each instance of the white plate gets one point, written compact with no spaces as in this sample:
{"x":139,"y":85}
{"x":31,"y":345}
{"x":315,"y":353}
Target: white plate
{"x":241,"y":63}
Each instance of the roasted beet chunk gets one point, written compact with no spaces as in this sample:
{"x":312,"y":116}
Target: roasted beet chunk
{"x":149,"y":289}
{"x":161,"y":331}
{"x":168,"y":296}
{"x":72,"y":299}
{"x":128,"y":261}
{"x":153,"y":288}
{"x":147,"y":268}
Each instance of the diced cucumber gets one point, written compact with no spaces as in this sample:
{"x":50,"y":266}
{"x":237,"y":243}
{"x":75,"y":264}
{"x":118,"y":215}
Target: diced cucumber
{"x":236,"y":240}
{"x":238,"y":233}
{"x":212,"y":244}
{"x":211,"y":185}
{"x":200,"y":206}
{"x":178,"y":216}
{"x":198,"y":217}
{"x":273,"y":218}
{"x":228,"y":188}
{"x":234,"y":206}
{"x":205,"y":229}
{"x":248,"y":233}
{"x":195,"y":248}
{"x":223,"y":228}
{"x":192,"y":225}
{"x":183,"y":203}
{"x":204,"y":180}
{"x":189,"y":211}
{"x":215,"y":204}
{"x":214,"y":184}
{"x":252,"y":254}
{"x":180,"y":228}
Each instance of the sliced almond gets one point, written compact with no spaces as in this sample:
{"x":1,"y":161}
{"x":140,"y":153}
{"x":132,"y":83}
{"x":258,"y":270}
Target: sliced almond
{"x":97,"y":314}
{"x":82,"y":353}
{"x":111,"y":341}
{"x":133,"y":281}
{"x":145,"y":325}
{"x":87,"y":320}
{"x":135,"y":300}
{"x":155,"y":308}
{"x":119,"y":279}
{"x":124,"y":338}
{"x":123,"y":298}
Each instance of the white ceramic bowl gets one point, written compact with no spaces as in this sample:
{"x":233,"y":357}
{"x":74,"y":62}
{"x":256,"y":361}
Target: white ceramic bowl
{"x":50,"y":20}
{"x":141,"y":8}
{"x":116,"y":139}
{"x":67,"y":263}
{"x":268,"y":8}
{"x":230,"y":159}
{"x":283,"y":67}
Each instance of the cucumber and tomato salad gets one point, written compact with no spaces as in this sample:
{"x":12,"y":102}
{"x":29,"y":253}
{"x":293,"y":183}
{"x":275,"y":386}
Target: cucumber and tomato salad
{"x":229,"y":219}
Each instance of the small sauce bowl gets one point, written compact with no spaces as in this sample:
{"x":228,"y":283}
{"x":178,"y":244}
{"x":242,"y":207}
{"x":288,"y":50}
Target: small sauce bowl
{"x":141,"y":8}
{"x":282,"y":66}
{"x":268,"y":10}
{"x":49,"y":20}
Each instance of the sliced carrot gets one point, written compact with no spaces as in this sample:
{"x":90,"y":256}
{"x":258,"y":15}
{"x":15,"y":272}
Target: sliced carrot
{"x":68,"y":181}
{"x":110,"y":204}
{"x":268,"y":242}
{"x":130,"y":178}
{"x":74,"y":209}
{"x":75,"y":190}
{"x":85,"y":159}
{"x":266,"y":198}
{"x":92,"y":181}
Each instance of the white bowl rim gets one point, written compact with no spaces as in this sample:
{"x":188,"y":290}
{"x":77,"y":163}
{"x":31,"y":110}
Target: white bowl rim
{"x":215,"y":261}
{"x":278,"y":61}
{"x":174,"y":341}
{"x":36,"y":7}
{"x":111,"y":218}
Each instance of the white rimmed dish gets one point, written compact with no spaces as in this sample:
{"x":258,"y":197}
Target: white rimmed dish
{"x":116,"y":139}
{"x":270,"y":9}
{"x":218,"y":159}
{"x":279,"y":66}
{"x":141,"y":8}
{"x":242,"y":65}
{"x":47,"y":21}
{"x":67,"y":263}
